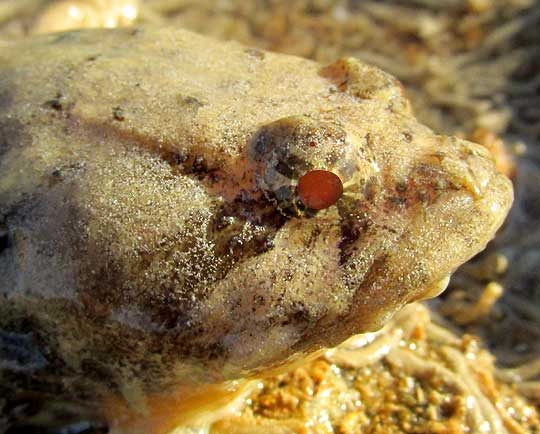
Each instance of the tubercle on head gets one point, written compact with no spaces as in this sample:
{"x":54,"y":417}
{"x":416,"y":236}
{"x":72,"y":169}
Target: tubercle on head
{"x":364,"y":82}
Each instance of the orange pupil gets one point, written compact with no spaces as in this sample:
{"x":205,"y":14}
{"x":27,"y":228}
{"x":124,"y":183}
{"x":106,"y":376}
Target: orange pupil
{"x":319,"y":189}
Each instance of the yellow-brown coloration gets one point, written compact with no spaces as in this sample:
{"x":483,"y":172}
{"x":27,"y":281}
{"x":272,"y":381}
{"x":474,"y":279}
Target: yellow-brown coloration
{"x":149,"y":243}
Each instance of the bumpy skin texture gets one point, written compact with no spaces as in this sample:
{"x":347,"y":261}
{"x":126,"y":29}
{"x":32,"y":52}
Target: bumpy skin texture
{"x":150,"y":225}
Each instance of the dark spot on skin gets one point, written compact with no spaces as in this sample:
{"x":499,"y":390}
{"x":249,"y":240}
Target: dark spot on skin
{"x":59,"y":174}
{"x":118,"y":114}
{"x":12,"y":135}
{"x":313,"y":236}
{"x":371,"y":188}
{"x":263,"y":244}
{"x":269,"y":243}
{"x":193,"y":102}
{"x":199,"y":165}
{"x":253,"y":52}
{"x":233,"y":244}
{"x":230,"y":222}
{"x":258,"y":300}
{"x":243,"y":204}
{"x":352,"y":229}
{"x":176,"y":158}
{"x":308,"y":213}
{"x":369,"y":141}
{"x":423,"y":196}
{"x":397,"y":201}
{"x":401,"y":187}
{"x":55,"y":103}
{"x":215,"y":351}
{"x":408,"y":136}
{"x":4,"y":238}
{"x":223,"y":221}
{"x":190,"y":103}
{"x":285,"y":169}
{"x":55,"y":177}
{"x":299,"y":314}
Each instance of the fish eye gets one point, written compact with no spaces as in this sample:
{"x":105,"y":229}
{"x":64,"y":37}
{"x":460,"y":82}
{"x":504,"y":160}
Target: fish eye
{"x":301,"y":164}
{"x":319,"y":189}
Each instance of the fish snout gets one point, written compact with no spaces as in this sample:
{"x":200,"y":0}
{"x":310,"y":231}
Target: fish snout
{"x":416,"y":224}
{"x":465,"y":216}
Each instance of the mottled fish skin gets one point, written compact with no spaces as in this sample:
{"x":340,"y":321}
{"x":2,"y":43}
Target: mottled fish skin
{"x":145,"y":233}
